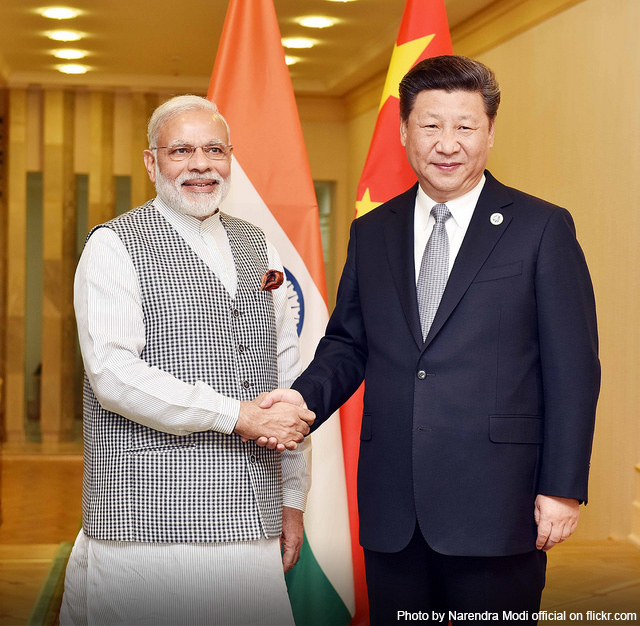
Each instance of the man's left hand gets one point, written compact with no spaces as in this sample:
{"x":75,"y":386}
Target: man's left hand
{"x":292,"y":536}
{"x":556,"y":518}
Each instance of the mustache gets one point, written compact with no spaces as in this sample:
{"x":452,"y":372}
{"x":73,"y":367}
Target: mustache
{"x":183,"y":178}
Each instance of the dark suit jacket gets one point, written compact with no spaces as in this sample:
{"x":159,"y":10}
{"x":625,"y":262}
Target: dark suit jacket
{"x":464,"y":430}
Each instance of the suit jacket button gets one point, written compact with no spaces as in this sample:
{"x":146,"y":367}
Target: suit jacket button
{"x":422,"y":374}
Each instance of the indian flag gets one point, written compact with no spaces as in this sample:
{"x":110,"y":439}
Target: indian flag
{"x":272,"y":188}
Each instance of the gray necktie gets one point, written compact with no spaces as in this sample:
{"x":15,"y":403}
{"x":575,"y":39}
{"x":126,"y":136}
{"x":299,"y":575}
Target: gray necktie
{"x":434,"y":268}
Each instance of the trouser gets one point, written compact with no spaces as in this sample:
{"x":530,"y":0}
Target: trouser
{"x":408,"y":585}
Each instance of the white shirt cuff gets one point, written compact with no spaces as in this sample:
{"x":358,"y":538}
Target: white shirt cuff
{"x":294,"y":499}
{"x":228,"y":418}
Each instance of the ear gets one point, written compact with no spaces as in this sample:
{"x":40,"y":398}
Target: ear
{"x":150,"y":164}
{"x":492,"y":132}
{"x":403,"y":133}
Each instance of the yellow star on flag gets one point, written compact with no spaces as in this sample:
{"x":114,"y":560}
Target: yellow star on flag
{"x":402,"y":60}
{"x":366,"y":204}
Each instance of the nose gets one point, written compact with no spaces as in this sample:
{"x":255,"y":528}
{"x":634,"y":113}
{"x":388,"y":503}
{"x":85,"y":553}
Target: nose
{"x":198,"y":161}
{"x":448,"y":142}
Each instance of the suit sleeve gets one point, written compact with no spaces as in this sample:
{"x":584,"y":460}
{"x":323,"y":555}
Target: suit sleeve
{"x":568,"y":342}
{"x":339,"y":362}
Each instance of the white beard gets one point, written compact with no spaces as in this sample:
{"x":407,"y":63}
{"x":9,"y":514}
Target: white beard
{"x":198,"y":205}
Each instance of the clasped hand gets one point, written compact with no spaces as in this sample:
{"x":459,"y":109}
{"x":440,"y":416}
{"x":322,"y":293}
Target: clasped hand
{"x":276,"y":420}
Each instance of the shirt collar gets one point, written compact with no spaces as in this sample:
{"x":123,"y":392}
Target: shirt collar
{"x":461,"y":208}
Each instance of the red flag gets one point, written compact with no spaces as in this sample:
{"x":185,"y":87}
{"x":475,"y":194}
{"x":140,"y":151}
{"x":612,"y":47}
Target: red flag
{"x":424,"y":33}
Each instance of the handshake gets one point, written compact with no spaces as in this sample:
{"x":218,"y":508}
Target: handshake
{"x":277,"y":420}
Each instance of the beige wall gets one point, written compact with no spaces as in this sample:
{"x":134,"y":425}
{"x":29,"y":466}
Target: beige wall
{"x":569,"y":131}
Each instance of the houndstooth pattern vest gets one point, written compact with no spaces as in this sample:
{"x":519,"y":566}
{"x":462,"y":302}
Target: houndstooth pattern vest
{"x":144,"y":485}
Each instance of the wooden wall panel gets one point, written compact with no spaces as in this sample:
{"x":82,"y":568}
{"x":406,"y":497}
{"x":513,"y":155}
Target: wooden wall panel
{"x":4,"y":106}
{"x":101,"y":182}
{"x":141,"y":187}
{"x":59,"y":231}
{"x":60,"y":132}
{"x":14,"y":338}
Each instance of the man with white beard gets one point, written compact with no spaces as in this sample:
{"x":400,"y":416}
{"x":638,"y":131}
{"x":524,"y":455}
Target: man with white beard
{"x":183,"y":322}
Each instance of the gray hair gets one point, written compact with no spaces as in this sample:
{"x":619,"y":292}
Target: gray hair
{"x":176,"y":106}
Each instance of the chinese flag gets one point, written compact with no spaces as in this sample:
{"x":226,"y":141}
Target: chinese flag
{"x":424,"y":33}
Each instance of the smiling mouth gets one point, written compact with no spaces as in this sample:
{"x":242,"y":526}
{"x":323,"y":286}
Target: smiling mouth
{"x":200,"y":185}
{"x":447,"y":166}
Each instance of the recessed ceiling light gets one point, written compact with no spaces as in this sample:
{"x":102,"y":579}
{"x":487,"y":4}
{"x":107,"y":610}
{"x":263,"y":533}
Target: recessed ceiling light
{"x":341,"y":0}
{"x":73,"y":68}
{"x":316,"y":21}
{"x":69,"y":54}
{"x":64,"y":35}
{"x":59,"y":13}
{"x":298,"y":42}
{"x":291,"y":60}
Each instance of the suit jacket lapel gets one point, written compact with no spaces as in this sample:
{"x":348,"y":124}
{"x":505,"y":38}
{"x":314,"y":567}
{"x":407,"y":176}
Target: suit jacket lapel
{"x":399,"y":240}
{"x":480,"y":239}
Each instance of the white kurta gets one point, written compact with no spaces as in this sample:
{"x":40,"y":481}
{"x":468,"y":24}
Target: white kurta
{"x":111,"y":582}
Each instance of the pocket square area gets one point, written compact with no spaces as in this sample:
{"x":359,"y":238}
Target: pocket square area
{"x":272,"y":279}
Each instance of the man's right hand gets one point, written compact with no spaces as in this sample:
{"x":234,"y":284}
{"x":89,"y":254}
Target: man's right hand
{"x":286,"y":424}
{"x":269,"y":399}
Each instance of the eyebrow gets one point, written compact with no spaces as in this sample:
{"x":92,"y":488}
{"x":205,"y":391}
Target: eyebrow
{"x":465,"y":116}
{"x":181,"y":142}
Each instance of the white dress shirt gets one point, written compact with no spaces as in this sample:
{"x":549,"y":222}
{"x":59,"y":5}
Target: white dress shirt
{"x":461,"y":213}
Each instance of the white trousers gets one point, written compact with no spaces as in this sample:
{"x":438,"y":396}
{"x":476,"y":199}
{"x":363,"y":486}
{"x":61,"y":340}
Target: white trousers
{"x":126,"y":583}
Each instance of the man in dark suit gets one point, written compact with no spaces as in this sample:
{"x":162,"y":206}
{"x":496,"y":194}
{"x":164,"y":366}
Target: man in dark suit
{"x":478,"y":422}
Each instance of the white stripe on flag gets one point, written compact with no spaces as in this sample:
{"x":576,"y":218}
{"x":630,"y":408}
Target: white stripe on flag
{"x":327,"y":516}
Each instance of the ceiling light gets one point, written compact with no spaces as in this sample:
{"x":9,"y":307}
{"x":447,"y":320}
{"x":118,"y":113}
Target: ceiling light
{"x":341,"y":0}
{"x":298,"y":42}
{"x":59,"y":13}
{"x":64,"y":35}
{"x":316,"y":21}
{"x":72,"y":68}
{"x":69,"y":54}
{"x":291,"y":60}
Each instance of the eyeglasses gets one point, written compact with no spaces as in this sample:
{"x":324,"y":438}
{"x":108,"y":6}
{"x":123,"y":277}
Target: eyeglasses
{"x":215,"y":152}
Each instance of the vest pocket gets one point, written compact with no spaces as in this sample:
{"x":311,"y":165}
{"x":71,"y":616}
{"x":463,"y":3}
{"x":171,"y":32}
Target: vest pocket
{"x":143,"y":439}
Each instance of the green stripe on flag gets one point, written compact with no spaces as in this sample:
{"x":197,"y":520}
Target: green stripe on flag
{"x":45,"y":610}
{"x":314,"y":600}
